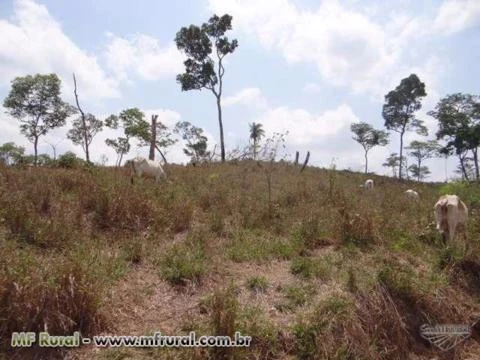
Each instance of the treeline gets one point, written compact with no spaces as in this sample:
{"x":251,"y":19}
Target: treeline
{"x":458,"y":134}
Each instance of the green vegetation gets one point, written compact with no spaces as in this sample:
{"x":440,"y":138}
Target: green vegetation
{"x":325,"y":266}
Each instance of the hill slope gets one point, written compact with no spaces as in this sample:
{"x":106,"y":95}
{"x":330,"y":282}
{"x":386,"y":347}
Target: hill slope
{"x":310,"y":265}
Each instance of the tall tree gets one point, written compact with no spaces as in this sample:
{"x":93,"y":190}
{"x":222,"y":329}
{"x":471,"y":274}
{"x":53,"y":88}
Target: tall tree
{"x":198,"y":43}
{"x":458,"y":118}
{"x":421,"y":151}
{"x":368,"y":137}
{"x":84,"y":128}
{"x":35,"y":101}
{"x":158,"y":135}
{"x":196,"y":142}
{"x":400,"y":107}
{"x":134,"y":125}
{"x":83,"y":131}
{"x":11,"y":154}
{"x":419,"y":172}
{"x":393,"y":161}
{"x":256,"y":133}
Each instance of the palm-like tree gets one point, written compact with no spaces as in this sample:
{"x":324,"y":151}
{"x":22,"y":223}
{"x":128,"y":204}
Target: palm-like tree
{"x":256,"y":133}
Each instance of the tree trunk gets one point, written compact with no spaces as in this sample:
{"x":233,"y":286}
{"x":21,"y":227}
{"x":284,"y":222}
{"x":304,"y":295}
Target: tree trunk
{"x":462,"y":165}
{"x":161,"y":154}
{"x":418,"y":175}
{"x":84,"y":129}
{"x":87,"y":153}
{"x":297,"y":155}
{"x":401,"y":157}
{"x":153,"y":138}
{"x":35,"y":148}
{"x":254,"y":149}
{"x":306,"y":161}
{"x":366,"y":162}
{"x":220,"y":124}
{"x":120,"y":160}
{"x":475,"y":162}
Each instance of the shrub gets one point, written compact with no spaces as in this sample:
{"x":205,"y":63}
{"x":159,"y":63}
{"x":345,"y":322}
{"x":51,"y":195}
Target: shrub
{"x":182,"y":263}
{"x":69,"y":160}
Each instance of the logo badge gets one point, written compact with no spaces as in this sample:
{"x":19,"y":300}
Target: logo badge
{"x":445,"y":336}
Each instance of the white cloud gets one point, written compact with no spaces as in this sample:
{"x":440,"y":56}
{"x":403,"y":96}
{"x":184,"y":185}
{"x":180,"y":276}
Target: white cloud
{"x":348,"y":47}
{"x":456,"y":15}
{"x":142,"y":55}
{"x":304,"y":127}
{"x":248,"y":96}
{"x":33,"y":41}
{"x":312,"y":88}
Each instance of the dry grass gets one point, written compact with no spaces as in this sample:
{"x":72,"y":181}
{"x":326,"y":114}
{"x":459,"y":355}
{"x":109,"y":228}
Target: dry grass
{"x":307,"y":264}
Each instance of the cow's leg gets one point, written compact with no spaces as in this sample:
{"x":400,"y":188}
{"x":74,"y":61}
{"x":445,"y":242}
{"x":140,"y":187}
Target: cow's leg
{"x":452,"y":224}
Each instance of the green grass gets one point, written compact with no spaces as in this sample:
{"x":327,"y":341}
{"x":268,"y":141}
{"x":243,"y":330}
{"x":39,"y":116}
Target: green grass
{"x":93,"y":226}
{"x":257,"y":284}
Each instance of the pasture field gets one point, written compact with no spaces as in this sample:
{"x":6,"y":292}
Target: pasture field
{"x":310,"y":265}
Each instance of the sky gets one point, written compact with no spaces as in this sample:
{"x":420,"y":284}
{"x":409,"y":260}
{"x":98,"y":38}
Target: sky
{"x":311,"y":68}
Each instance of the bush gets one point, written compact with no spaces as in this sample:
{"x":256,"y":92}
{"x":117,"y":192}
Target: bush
{"x":469,"y":193}
{"x":182,"y":263}
{"x":69,"y":160}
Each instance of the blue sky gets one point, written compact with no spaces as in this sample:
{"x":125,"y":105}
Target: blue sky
{"x":309,"y":67}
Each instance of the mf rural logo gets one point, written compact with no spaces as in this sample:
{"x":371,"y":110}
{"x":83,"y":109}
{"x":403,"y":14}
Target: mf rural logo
{"x":446,"y":336}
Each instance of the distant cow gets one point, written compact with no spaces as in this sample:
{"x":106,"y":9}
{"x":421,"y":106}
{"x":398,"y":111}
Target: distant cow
{"x":450,"y":212}
{"x":412,"y":194}
{"x":368,"y":184}
{"x":140,"y":166}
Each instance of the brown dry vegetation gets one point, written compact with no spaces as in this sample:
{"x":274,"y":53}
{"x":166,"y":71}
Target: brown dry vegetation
{"x":324,"y":270}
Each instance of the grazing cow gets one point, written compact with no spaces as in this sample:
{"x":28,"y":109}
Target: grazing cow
{"x":450,"y":212}
{"x":140,"y":166}
{"x":368,"y":184}
{"x":412,"y":194}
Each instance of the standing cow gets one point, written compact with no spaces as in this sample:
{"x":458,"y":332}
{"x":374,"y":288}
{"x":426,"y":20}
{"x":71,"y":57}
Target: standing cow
{"x":140,"y":166}
{"x":412,"y":194}
{"x":450,"y":212}
{"x":368,"y":184}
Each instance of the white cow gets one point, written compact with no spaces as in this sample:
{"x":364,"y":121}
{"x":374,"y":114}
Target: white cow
{"x":140,"y":166}
{"x":450,"y":212}
{"x":368,"y":184}
{"x":412,"y":194}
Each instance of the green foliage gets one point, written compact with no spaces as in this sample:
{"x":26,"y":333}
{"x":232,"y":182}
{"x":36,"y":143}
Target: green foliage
{"x":400,"y":107}
{"x":83,"y":135}
{"x":134,"y":125}
{"x":11,"y":154}
{"x":182,"y":263}
{"x":35,"y":101}
{"x":368,"y":137}
{"x":198,"y":43}
{"x":69,"y":160}
{"x":469,"y":193}
{"x":256,"y":133}
{"x":196,"y":142}
{"x":458,"y":118}
{"x":297,"y":295}
{"x":399,"y":280}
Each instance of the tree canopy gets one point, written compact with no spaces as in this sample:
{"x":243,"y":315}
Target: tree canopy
{"x":400,"y":107}
{"x":196,"y":142}
{"x":368,"y":137}
{"x":133,"y":123}
{"x":201,"y":70}
{"x":458,"y":117}
{"x":35,"y":101}
{"x":421,"y":150}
